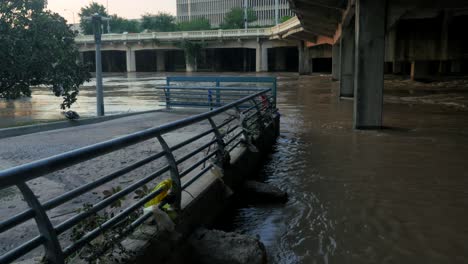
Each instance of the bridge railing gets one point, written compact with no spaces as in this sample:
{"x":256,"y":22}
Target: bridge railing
{"x":198,"y":35}
{"x":184,"y":160}
{"x":212,"y":92}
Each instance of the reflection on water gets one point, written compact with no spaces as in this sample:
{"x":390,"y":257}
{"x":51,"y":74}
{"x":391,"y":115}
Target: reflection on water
{"x":122,"y":93}
{"x":393,"y":196}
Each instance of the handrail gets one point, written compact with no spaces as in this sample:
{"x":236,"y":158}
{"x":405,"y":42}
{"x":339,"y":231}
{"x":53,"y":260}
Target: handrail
{"x":48,"y":232}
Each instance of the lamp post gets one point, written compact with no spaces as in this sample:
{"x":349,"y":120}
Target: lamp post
{"x":246,"y":19}
{"x":96,"y":20}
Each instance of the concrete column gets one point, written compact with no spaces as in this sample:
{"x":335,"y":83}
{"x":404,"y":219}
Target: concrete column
{"x":419,"y":70}
{"x":131,"y":61}
{"x":336,"y":62}
{"x":264,"y":58}
{"x":397,"y":67}
{"x":190,"y":63}
{"x":444,"y":43}
{"x":455,"y":66}
{"x":369,"y":64}
{"x":258,"y":57}
{"x":245,"y":63}
{"x":280,"y":59}
{"x":347,"y":57}
{"x":302,"y":58}
{"x":307,"y":60}
{"x":160,"y":61}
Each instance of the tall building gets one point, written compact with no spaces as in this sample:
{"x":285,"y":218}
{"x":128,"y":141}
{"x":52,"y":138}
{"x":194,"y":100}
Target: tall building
{"x":215,"y":10}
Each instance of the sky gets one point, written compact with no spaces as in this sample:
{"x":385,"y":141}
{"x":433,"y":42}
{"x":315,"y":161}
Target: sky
{"x":123,"y":8}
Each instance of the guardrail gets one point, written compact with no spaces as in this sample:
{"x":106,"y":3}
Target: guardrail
{"x":228,"y":126}
{"x":214,"y":91}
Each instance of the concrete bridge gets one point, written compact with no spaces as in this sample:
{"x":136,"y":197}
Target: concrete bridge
{"x":246,"y":50}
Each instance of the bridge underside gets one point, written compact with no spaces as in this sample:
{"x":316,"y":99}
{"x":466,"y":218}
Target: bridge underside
{"x":235,"y":56}
{"x":367,"y":38}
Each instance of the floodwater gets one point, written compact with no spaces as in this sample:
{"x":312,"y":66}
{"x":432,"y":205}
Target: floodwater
{"x":399,"y":195}
{"x":123,"y":93}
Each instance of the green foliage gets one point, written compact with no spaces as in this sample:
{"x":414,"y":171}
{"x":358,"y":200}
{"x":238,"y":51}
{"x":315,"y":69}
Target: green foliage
{"x":285,"y":18}
{"x":234,"y":19}
{"x":196,"y":24}
{"x":161,"y":22}
{"x":191,"y":49}
{"x":88,"y":11}
{"x":38,"y":48}
{"x":120,"y":25}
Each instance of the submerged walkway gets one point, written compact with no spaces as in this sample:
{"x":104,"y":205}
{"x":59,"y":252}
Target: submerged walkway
{"x":27,"y":148}
{"x":398,"y":195}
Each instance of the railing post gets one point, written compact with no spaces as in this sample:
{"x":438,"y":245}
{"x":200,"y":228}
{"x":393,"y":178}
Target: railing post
{"x":176,"y":185}
{"x":275,"y":92}
{"x":53,"y":251}
{"x":168,"y":93}
{"x":259,"y":114}
{"x":222,"y":157}
{"x":218,"y":93}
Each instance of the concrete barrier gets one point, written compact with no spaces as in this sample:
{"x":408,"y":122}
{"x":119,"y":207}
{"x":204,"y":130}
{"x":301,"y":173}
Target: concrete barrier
{"x":202,"y":204}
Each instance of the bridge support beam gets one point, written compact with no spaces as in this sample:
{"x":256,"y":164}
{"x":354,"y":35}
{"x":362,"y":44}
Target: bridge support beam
{"x":369,"y":64}
{"x":336,"y":62}
{"x":261,"y":58}
{"x":303,"y":53}
{"x":131,"y":60}
{"x":160,"y":61}
{"x":191,"y":64}
{"x":280,"y":59}
{"x":347,"y":52}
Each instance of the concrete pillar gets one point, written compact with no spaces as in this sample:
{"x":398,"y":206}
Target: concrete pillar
{"x":160,"y":61}
{"x":336,"y":62}
{"x":245,"y":62}
{"x":258,"y":57}
{"x":280,"y":59}
{"x":264,"y":58}
{"x":302,"y":59}
{"x":307,"y":60}
{"x":419,"y":70}
{"x":369,"y":64}
{"x":347,"y":58}
{"x":455,"y":66}
{"x":131,"y":61}
{"x":397,"y":67}
{"x":190,"y":63}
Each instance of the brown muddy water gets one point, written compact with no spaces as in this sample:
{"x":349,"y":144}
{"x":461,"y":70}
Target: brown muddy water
{"x":123,"y":93}
{"x":398,"y":195}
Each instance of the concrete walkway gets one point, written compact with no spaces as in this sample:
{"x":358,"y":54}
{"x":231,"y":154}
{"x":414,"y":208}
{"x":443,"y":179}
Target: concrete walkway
{"x":27,"y":148}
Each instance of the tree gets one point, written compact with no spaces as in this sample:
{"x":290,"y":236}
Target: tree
{"x":38,"y":48}
{"x":235,"y":18}
{"x":120,"y":25}
{"x":196,"y":24}
{"x":285,"y":18}
{"x":88,"y":11}
{"x":161,"y":22}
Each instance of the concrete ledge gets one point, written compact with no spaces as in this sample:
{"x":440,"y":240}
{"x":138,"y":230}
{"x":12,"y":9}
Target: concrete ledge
{"x":24,"y":130}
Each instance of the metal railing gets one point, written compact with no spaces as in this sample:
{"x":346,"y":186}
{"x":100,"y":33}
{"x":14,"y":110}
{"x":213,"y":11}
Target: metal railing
{"x":212,"y":92}
{"x":227,"y":127}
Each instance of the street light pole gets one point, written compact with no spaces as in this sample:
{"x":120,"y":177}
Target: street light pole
{"x":246,"y":20}
{"x":96,"y":20}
